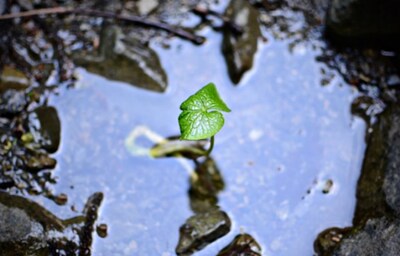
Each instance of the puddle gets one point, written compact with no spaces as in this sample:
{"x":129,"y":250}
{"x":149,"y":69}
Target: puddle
{"x":286,"y":139}
{"x":284,"y":167}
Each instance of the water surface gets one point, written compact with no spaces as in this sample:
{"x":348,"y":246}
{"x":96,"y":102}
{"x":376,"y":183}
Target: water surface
{"x":286,"y":137}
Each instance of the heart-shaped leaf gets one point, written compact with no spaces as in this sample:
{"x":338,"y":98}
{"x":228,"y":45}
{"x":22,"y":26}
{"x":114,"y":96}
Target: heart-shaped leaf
{"x":200,"y":117}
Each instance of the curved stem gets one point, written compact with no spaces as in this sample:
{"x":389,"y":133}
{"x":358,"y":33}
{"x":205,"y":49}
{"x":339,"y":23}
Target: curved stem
{"x":211,"y":146}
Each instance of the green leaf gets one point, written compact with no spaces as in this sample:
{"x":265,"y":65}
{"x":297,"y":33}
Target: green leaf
{"x":200,"y":117}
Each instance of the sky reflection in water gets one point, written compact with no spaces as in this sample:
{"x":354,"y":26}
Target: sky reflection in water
{"x":286,"y":135}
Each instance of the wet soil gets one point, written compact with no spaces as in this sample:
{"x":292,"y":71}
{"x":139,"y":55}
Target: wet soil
{"x":288,"y":168}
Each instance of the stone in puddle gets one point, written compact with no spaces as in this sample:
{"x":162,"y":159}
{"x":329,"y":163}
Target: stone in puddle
{"x":242,"y":245}
{"x":201,"y":230}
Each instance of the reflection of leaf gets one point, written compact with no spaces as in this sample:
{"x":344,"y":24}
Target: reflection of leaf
{"x":205,"y":186}
{"x":176,"y":147}
{"x":200,"y":117}
{"x":126,"y":60}
{"x":239,"y":49}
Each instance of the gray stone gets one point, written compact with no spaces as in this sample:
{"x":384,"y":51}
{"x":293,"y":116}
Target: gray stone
{"x":378,"y":190}
{"x":201,"y":230}
{"x":391,"y":183}
{"x":20,"y":234}
{"x":378,"y":237}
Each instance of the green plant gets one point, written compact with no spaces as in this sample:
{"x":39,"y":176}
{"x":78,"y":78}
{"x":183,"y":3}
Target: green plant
{"x":201,"y":117}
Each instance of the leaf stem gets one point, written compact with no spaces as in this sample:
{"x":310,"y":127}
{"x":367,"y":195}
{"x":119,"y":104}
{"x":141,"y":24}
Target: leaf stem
{"x":211,"y":146}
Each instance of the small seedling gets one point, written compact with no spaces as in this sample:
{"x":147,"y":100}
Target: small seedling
{"x":201,"y":117}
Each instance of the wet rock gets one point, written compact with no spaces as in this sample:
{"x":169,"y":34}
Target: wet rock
{"x":33,"y":210}
{"x":378,"y":190}
{"x":328,"y":240}
{"x":376,"y":229}
{"x":201,"y":230}
{"x":19,"y":234}
{"x":364,"y":107}
{"x":127,"y":60}
{"x":38,"y":162}
{"x":327,"y":186}
{"x":391,"y":182}
{"x":102,"y":230}
{"x":27,"y":228}
{"x":242,"y":245}
{"x":367,"y":21}
{"x":49,"y":128}
{"x":377,"y":237}
{"x":61,"y":199}
{"x":12,"y":102}
{"x":239,"y":48}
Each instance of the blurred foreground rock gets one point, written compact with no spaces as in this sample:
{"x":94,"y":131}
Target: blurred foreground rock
{"x":376,"y":223}
{"x":365,"y":21}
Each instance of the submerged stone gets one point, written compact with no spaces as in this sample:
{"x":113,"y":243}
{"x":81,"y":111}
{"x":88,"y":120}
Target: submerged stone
{"x":201,"y":230}
{"x":242,"y":245}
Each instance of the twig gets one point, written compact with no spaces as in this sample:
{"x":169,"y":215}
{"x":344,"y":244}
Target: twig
{"x":109,"y":15}
{"x":203,"y":12}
